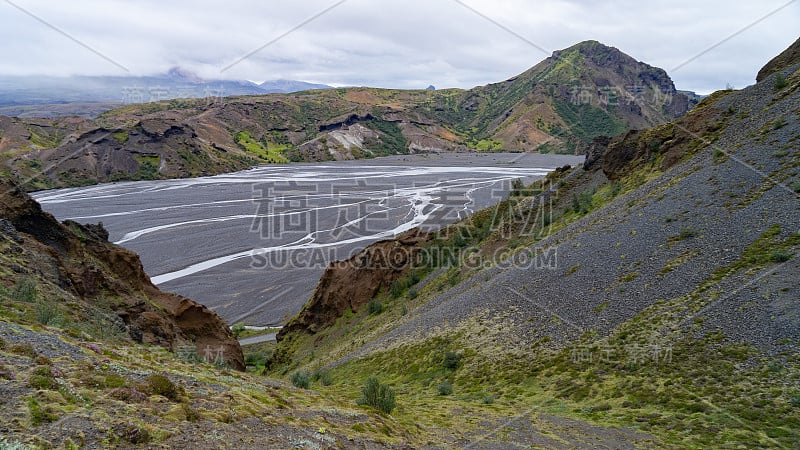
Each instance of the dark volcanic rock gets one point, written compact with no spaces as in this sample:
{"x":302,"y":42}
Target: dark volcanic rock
{"x":595,"y":150}
{"x":353,"y":283}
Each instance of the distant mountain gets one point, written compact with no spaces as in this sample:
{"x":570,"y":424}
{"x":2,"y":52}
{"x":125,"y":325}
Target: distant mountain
{"x":559,"y":105}
{"x":176,"y":83}
{"x":289,"y":86}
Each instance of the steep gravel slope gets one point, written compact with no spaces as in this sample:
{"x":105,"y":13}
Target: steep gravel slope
{"x":660,"y":243}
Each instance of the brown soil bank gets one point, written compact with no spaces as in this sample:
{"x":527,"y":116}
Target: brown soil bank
{"x":353,"y":283}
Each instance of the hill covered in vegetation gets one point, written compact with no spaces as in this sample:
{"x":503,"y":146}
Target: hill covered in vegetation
{"x":559,"y":105}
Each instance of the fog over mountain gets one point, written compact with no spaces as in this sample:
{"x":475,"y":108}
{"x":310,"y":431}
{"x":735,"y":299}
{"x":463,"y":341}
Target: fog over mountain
{"x":176,"y":83}
{"x":389,"y":44}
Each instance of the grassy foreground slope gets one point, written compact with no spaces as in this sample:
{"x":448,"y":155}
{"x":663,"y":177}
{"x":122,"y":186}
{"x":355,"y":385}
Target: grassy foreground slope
{"x":653,"y":289}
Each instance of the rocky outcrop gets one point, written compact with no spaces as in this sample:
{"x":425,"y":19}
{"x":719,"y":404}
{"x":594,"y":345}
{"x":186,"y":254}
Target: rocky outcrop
{"x":421,"y":140}
{"x":594,"y":151}
{"x":79,"y":261}
{"x":353,"y":283}
{"x":346,"y":121}
{"x":788,"y":57}
{"x":622,"y":154}
{"x":147,"y":150}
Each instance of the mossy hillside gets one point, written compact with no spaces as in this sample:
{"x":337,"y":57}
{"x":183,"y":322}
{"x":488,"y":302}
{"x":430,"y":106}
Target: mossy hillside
{"x":42,"y":137}
{"x":587,"y":122}
{"x":34,"y":302}
{"x":27,"y":298}
{"x":689,"y":395}
{"x":212,"y":161}
{"x":391,"y":140}
{"x":688,"y":391}
{"x":263,"y":149}
{"x":169,"y":398}
{"x":148,"y":167}
{"x":485,"y":104}
{"x":121,"y":136}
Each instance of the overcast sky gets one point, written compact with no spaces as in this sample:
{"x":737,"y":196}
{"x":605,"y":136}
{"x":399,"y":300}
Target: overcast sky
{"x":388,"y":43}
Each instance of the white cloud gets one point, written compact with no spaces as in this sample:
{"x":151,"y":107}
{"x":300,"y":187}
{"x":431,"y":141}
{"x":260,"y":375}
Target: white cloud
{"x":389,"y":43}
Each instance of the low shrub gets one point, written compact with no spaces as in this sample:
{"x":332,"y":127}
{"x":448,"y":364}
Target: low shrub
{"x":687,"y":232}
{"x":445,"y":388}
{"x":451,"y":360}
{"x":375,"y":307}
{"x":780,"y":82}
{"x":582,"y":203}
{"x":323,"y":376}
{"x":24,"y":290}
{"x":396,"y":289}
{"x":40,"y":414}
{"x":161,"y":385}
{"x":6,"y":373}
{"x":794,"y":399}
{"x":301,"y":379}
{"x":780,"y":256}
{"x":47,"y":314}
{"x":114,"y":381}
{"x":517,"y":188}
{"x":237,"y":329}
{"x":257,"y":358}
{"x":104,"y":326}
{"x":24,"y":350}
{"x":42,"y":378}
{"x":377,"y":395}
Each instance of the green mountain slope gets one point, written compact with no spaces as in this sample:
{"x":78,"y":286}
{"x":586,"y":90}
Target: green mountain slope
{"x":578,"y":93}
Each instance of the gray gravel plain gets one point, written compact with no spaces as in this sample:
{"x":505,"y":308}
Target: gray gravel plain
{"x":252,"y":245}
